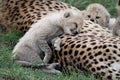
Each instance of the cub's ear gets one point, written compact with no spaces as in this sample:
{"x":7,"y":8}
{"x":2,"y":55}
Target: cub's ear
{"x":67,"y":14}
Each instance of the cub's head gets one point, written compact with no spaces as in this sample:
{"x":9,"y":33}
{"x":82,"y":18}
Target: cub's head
{"x":72,"y":21}
{"x":97,"y":13}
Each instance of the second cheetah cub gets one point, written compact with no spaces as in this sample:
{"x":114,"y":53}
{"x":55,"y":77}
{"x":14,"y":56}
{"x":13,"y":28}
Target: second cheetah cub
{"x":116,"y":27}
{"x":97,"y":13}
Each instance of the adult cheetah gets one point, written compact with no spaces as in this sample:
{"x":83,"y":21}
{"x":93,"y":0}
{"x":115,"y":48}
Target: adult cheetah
{"x":94,"y":49}
{"x":21,"y":14}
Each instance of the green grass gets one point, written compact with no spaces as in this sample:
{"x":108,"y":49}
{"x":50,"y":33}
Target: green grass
{"x":12,"y":71}
{"x":82,"y":4}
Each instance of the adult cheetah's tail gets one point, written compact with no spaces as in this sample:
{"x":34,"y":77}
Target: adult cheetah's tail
{"x":118,"y":7}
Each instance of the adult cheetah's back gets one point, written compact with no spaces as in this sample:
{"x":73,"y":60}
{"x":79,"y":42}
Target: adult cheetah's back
{"x":21,"y":14}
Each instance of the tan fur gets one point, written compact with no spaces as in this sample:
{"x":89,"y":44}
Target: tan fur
{"x":97,"y":13}
{"x":34,"y":42}
{"x":21,"y":14}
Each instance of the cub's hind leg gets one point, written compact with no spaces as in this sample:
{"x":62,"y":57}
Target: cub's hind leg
{"x":43,"y":45}
{"x":25,"y":53}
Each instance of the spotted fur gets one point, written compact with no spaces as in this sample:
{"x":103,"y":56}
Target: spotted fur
{"x":94,"y":49}
{"x":21,"y":14}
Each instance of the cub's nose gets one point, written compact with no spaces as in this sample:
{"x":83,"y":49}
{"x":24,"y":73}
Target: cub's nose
{"x":92,"y":20}
{"x":75,"y":33}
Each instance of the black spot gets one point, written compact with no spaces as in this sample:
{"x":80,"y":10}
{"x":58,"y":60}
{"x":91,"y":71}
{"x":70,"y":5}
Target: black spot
{"x":107,"y":50}
{"x":74,"y":61}
{"x":109,"y":57}
{"x":98,"y":68}
{"x":84,"y":42}
{"x":93,"y":43}
{"x":119,"y":55}
{"x":106,"y":59}
{"x":71,"y":57}
{"x":84,"y":57}
{"x":95,"y":47}
{"x":65,"y":46}
{"x":99,"y":53}
{"x":110,"y":71}
{"x":89,"y":53}
{"x":110,"y":45}
{"x":84,"y":46}
{"x":91,"y":57}
{"x":81,"y":32}
{"x":104,"y":54}
{"x":100,"y":46}
{"x":76,"y":52}
{"x":104,"y":46}
{"x":114,"y":51}
{"x":96,"y":62}
{"x":65,"y":52}
{"x":93,"y":69}
{"x":103,"y":73}
{"x":109,"y":77}
{"x":114,"y":57}
{"x":44,"y":13}
{"x":70,"y":51}
{"x":92,"y":40}
{"x":78,"y":59}
{"x":101,"y":59}
{"x":62,"y":45}
{"x":78,"y":46}
{"x":72,"y":46}
{"x":89,"y":66}
{"x":68,"y":38}
{"x":115,"y":46}
{"x":102,"y":67}
{"x":117,"y":74}
{"x":78,"y":41}
{"x":82,"y":52}
{"x":88,"y":49}
{"x":86,"y":62}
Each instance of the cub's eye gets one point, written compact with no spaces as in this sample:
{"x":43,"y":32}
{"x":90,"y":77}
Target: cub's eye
{"x":97,"y":17}
{"x":88,"y":16}
{"x":76,"y":25}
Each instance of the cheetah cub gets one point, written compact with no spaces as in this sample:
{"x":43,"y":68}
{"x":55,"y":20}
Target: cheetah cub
{"x":32,"y":45}
{"x":116,"y":27}
{"x":97,"y":13}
